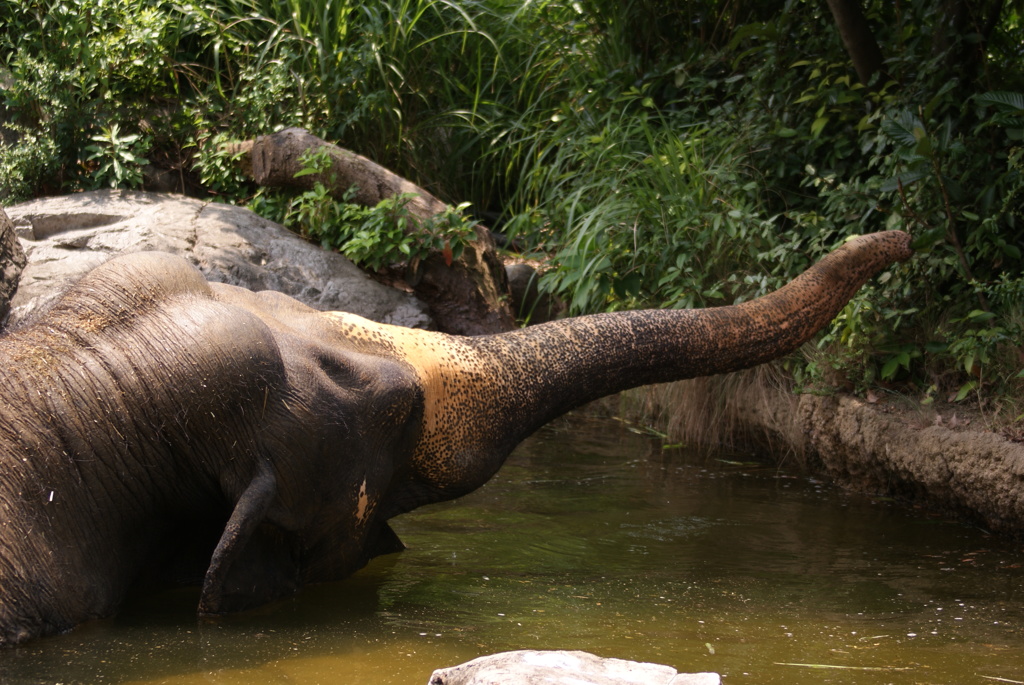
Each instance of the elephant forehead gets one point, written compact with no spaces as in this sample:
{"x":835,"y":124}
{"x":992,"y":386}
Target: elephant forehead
{"x":185,"y":335}
{"x":323,"y":357}
{"x":442,"y":363}
{"x":455,"y":380}
{"x":195,"y":353}
{"x":121,"y":289}
{"x":214,"y":336}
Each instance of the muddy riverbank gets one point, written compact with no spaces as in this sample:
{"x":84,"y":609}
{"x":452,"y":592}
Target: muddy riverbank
{"x":936,"y":458}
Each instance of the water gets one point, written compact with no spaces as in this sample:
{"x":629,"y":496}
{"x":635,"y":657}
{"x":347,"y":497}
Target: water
{"x":595,"y":538}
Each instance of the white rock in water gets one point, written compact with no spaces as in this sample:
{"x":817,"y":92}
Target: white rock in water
{"x":531,"y":667}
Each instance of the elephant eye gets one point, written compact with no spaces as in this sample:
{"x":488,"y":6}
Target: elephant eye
{"x":341,"y":370}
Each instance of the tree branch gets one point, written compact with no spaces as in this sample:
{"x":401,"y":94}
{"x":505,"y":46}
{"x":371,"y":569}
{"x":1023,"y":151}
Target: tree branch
{"x":469,"y":297}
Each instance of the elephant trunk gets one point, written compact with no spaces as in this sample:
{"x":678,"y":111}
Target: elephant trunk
{"x":520,"y":380}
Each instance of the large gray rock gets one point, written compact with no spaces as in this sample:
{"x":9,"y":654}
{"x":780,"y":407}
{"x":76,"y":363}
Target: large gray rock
{"x":530,"y":667}
{"x":64,"y":237}
{"x":12,"y":261}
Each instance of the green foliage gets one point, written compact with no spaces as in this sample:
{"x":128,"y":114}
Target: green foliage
{"x":715,"y":178}
{"x":26,"y":166}
{"x":72,"y":69}
{"x":637,"y":209}
{"x":117,"y":158}
{"x":388,"y":234}
{"x":374,"y":237}
{"x":218,"y":167}
{"x":397,"y":80}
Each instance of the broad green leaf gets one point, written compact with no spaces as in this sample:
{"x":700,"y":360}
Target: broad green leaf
{"x":965,"y":390}
{"x":889,"y":370}
{"x":980,"y":315}
{"x":1005,"y":100}
{"x":901,"y":128}
{"x":924,"y":143}
{"x":905,"y":179}
{"x":929,"y":238}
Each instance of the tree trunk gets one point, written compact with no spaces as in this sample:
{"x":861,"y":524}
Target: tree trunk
{"x":857,"y":37}
{"x":468,"y":297}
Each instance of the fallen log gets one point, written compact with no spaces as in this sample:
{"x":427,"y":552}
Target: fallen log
{"x":466,"y":296}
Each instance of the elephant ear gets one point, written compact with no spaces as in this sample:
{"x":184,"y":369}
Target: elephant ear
{"x":255,"y":561}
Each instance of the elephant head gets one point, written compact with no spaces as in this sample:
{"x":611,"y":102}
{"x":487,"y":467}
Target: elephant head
{"x":243,"y":441}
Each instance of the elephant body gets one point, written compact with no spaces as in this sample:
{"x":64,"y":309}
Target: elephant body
{"x":103,"y":442}
{"x":152,"y":421}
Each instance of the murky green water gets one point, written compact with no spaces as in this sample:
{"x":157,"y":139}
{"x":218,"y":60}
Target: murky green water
{"x":595,"y":538}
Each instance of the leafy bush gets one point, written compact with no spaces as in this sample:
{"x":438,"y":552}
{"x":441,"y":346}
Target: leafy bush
{"x":118,"y":158}
{"x":373,"y":237}
{"x":71,"y":70}
{"x":715,"y":179}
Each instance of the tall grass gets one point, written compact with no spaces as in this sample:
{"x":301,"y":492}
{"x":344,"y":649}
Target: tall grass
{"x":413,"y":84}
{"x":715,"y":413}
{"x":638,"y":208}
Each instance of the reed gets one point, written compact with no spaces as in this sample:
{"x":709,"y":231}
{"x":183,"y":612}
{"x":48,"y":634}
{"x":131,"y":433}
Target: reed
{"x":712,"y":414}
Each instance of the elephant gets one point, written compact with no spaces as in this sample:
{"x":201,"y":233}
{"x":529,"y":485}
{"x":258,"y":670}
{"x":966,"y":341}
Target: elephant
{"x":156,"y":425}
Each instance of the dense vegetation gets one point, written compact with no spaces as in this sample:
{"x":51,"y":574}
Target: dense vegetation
{"x":653,"y":153}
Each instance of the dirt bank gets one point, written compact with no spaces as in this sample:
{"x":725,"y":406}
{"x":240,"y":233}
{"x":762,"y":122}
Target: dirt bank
{"x":928,"y":456}
{"x":870,"y":448}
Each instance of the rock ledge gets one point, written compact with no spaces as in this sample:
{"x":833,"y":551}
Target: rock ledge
{"x":65,"y":237}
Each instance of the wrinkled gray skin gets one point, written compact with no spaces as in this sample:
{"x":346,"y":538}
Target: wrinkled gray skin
{"x":154,"y":421}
